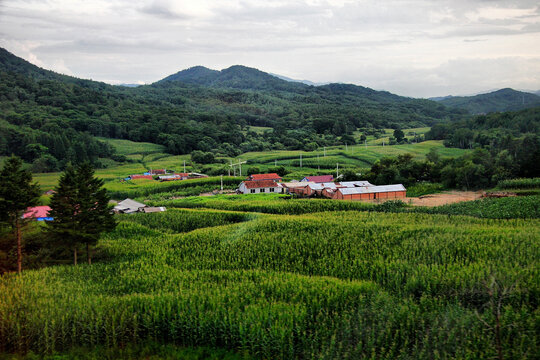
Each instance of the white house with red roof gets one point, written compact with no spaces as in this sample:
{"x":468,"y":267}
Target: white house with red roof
{"x":259,"y":187}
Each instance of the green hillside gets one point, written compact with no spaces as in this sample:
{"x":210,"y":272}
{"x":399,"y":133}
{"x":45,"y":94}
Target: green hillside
{"x":49,"y":119}
{"x":500,"y":100}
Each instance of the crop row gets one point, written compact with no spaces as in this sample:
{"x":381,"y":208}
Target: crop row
{"x":526,"y":183}
{"x":327,"y":285}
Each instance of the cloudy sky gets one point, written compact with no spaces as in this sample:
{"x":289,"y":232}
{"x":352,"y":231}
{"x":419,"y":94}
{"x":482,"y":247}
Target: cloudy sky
{"x":417,"y":48}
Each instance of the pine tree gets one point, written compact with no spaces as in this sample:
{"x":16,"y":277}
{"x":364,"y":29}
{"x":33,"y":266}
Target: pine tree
{"x":17,"y":193}
{"x":80,"y":208}
{"x":94,"y":208}
{"x":64,"y":208}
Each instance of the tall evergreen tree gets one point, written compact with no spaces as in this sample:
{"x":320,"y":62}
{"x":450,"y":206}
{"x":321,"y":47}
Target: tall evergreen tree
{"x":17,"y":193}
{"x":80,"y":208}
{"x":94,"y":208}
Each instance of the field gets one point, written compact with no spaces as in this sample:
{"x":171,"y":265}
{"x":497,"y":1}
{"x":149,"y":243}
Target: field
{"x":355,"y":281}
{"x":150,"y":156}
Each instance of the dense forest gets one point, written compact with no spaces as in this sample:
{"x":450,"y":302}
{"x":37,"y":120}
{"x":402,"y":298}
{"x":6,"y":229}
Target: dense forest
{"x":509,"y":140}
{"x":49,"y":119}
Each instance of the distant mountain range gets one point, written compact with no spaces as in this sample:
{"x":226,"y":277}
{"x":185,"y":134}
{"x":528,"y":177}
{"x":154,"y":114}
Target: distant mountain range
{"x":500,"y":100}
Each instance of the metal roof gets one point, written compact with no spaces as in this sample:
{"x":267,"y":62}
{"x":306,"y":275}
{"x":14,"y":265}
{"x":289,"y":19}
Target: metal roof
{"x":355,"y":183}
{"x":372,"y":189}
{"x":129,"y":204}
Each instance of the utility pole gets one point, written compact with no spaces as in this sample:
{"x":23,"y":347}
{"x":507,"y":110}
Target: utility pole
{"x":184,"y":166}
{"x":346,"y":147}
{"x":239,"y":164}
{"x":337,"y":170}
{"x":221,"y":182}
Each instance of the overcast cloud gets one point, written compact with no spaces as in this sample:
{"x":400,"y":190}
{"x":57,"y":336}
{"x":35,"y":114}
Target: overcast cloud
{"x":418,"y":48}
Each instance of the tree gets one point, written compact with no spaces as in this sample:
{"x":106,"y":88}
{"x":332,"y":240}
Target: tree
{"x":17,"y":193}
{"x":399,"y":135}
{"x":80,"y":208}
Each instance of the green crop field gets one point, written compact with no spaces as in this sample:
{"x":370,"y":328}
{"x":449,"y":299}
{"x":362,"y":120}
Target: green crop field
{"x":326,"y":285}
{"x":148,"y":156}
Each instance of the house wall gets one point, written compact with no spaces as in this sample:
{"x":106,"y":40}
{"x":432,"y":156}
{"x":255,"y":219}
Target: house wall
{"x":258,"y":190}
{"x":371,"y":196}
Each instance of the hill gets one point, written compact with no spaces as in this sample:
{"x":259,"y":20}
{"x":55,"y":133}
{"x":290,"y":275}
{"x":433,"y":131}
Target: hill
{"x":49,"y":118}
{"x":500,"y":100}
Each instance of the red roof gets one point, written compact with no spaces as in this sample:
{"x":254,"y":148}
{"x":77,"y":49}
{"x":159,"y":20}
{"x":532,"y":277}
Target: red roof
{"x":37,"y":212}
{"x":182,"y":174}
{"x":141,"y":177}
{"x":260,"y":184}
{"x":320,"y":178}
{"x":258,"y":177}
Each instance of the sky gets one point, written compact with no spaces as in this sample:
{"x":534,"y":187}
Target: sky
{"x":416,"y":48}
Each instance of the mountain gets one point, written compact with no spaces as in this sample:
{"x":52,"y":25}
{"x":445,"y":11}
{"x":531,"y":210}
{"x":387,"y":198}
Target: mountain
{"x":500,"y":100}
{"x":50,"y":119}
{"x":234,"y":77}
{"x":13,"y":64}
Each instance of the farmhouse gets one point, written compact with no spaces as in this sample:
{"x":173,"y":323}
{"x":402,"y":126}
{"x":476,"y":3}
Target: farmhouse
{"x":128,"y":206}
{"x":172,"y":177}
{"x":259,"y":186}
{"x":135,"y":177}
{"x":319,"y":179}
{"x":262,"y":177}
{"x":158,"y":171}
{"x":39,"y":213}
{"x":370,"y":192}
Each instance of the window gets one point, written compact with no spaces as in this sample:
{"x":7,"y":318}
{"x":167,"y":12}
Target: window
{"x":253,"y":191}
{"x":263,"y":190}
{"x":271,"y":189}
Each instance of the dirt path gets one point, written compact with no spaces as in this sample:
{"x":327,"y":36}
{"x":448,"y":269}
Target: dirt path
{"x":447,"y":197}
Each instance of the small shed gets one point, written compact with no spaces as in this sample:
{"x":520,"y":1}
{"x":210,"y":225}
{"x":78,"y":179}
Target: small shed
{"x":259,"y":187}
{"x":128,"y":206}
{"x":150,"y":209}
{"x":39,"y":213}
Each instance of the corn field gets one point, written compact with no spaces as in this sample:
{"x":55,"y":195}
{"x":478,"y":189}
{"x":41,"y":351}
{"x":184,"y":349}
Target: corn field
{"x":326,"y":285}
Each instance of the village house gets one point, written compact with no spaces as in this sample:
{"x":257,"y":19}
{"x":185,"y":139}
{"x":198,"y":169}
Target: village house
{"x":259,"y":187}
{"x":172,"y":177}
{"x":39,"y":213}
{"x":128,"y":206}
{"x":295,"y":187}
{"x":319,"y":179}
{"x":262,"y":177}
{"x":136,"y":177}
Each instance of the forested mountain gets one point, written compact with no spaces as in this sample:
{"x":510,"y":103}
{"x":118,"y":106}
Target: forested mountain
{"x":49,"y":118}
{"x":500,"y":100}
